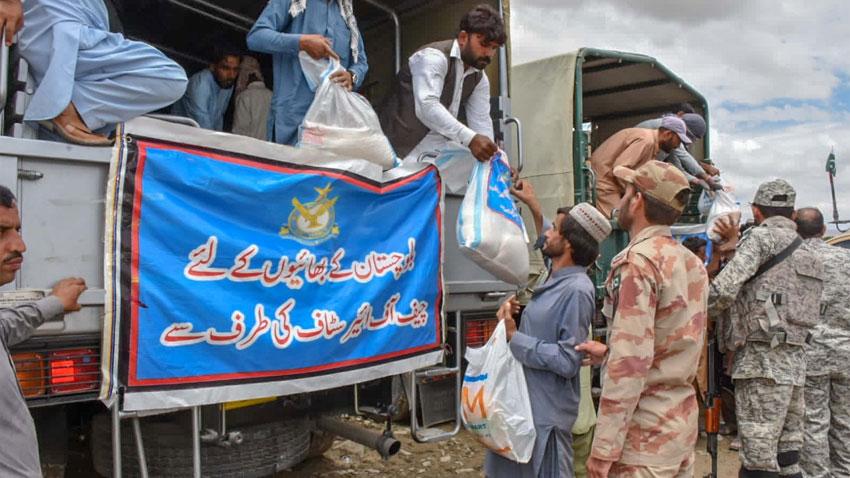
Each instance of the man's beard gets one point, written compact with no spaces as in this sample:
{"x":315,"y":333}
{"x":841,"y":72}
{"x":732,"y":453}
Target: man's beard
{"x":624,"y":219}
{"x":225,"y":84}
{"x":550,"y":252}
{"x":469,"y":58}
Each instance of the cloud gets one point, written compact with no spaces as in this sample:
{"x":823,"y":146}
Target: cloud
{"x":745,"y":52}
{"x":775,"y":73}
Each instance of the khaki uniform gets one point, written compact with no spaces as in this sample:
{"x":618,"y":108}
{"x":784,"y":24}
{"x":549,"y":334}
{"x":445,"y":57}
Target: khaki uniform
{"x":826,"y":447}
{"x":769,"y":372}
{"x":655,"y":304}
{"x":630,"y":148}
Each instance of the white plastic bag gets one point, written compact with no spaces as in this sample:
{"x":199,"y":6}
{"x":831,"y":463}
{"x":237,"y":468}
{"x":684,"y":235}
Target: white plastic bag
{"x":455,"y":163}
{"x":341,"y":121}
{"x":724,"y":204}
{"x":495,"y":406}
{"x":490,"y":230}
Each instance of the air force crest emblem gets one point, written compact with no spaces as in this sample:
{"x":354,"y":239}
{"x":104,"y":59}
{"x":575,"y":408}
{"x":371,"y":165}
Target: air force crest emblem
{"x":312,"y":222}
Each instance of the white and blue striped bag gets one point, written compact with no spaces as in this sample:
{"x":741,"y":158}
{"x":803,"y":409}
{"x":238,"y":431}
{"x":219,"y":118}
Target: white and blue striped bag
{"x":490,"y":230}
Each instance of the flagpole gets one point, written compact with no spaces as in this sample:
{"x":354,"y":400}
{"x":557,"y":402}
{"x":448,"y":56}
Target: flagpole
{"x":830,"y":169}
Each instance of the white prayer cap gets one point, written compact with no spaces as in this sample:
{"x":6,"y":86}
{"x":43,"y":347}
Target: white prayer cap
{"x":591,"y":220}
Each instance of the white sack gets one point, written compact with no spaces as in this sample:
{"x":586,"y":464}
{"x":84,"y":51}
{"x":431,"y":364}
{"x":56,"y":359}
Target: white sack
{"x":495,"y":407}
{"x":724,"y":205}
{"x":341,"y":121}
{"x":490,"y":230}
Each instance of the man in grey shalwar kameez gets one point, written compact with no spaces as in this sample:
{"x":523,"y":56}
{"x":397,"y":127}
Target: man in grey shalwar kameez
{"x":555,"y":320}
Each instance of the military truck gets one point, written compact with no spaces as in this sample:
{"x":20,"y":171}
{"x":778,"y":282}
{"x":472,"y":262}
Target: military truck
{"x":567,"y":105}
{"x":61,"y":192}
{"x":570,"y":104}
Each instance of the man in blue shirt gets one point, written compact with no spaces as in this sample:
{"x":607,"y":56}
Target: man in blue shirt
{"x":322,"y":29}
{"x":210,"y":89}
{"x":89,"y":77}
{"x":556,"y":319}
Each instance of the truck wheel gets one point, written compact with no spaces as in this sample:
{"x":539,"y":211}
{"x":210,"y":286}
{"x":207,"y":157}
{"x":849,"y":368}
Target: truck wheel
{"x":265,"y":449}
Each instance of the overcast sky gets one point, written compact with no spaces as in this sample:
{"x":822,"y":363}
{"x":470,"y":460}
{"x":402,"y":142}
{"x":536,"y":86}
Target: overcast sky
{"x":776,"y":75}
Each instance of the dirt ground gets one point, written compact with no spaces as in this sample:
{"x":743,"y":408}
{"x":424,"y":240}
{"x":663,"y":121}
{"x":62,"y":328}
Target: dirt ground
{"x":458,"y":456}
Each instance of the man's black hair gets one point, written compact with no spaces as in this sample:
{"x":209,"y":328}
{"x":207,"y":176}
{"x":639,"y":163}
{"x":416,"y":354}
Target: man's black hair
{"x":809,"y":222}
{"x":485,"y":20}
{"x":746,"y":226}
{"x":686,"y":108}
{"x":771,"y":211}
{"x":693,"y":243}
{"x":660,"y":213}
{"x":224,"y":50}
{"x":7,"y":199}
{"x":585,"y":249}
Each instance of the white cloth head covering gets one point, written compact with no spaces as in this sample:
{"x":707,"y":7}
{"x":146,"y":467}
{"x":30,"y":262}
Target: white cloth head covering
{"x":591,"y":220}
{"x":347,"y":10}
{"x":248,"y":66}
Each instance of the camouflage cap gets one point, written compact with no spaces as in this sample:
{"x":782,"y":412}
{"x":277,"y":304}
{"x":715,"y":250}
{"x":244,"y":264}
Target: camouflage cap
{"x":775,"y":193}
{"x":661,"y":181}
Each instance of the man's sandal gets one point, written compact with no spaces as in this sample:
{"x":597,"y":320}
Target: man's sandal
{"x":75,"y":135}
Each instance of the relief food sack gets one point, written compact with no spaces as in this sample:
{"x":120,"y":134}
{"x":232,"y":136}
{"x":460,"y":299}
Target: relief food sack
{"x":490,"y":230}
{"x":341,"y":121}
{"x":495,"y":406}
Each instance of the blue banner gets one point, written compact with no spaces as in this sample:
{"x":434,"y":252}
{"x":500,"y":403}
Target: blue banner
{"x":245,"y":268}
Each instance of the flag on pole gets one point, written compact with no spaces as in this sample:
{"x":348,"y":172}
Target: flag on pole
{"x":830,"y":164}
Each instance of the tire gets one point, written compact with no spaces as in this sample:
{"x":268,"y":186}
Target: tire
{"x":265,"y":449}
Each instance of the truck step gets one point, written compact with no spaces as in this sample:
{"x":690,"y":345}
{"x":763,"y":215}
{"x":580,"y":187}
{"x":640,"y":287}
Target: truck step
{"x":430,"y":435}
{"x":438,"y":371}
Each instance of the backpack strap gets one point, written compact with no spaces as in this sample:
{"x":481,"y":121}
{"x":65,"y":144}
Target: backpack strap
{"x":778,"y":258}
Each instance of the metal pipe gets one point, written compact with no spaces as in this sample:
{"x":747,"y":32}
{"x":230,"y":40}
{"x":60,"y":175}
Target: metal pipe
{"x":397,"y":26}
{"x":140,"y":448}
{"x":231,"y":14}
{"x":387,"y":446}
{"x":116,"y":440}
{"x":222,"y":420}
{"x":196,"y":442}
{"x":172,"y":51}
{"x":503,"y":63}
{"x":520,"y":157}
{"x":209,"y":15}
{"x":4,"y":80}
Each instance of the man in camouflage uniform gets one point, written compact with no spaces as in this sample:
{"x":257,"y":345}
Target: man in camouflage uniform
{"x":826,"y":448}
{"x":776,"y":307}
{"x":656,"y":309}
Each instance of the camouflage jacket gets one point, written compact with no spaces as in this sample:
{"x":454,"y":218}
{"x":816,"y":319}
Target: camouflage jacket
{"x":784,"y":363}
{"x":829,"y":351}
{"x":655,"y":304}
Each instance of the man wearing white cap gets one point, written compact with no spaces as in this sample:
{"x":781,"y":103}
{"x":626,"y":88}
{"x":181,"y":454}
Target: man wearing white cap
{"x":631,"y":148}
{"x":555,"y":320}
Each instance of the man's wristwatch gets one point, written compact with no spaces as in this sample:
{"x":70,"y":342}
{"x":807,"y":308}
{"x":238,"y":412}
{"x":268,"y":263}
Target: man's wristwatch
{"x":353,"y":78}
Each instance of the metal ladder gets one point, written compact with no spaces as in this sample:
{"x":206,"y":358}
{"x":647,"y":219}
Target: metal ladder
{"x":431,"y":434}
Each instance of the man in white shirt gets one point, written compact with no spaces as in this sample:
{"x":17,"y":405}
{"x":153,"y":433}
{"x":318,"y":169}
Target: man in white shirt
{"x":442,"y":93}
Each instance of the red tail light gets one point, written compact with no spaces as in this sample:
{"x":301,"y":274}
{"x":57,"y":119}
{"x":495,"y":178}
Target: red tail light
{"x":478,"y":331}
{"x":74,"y":371}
